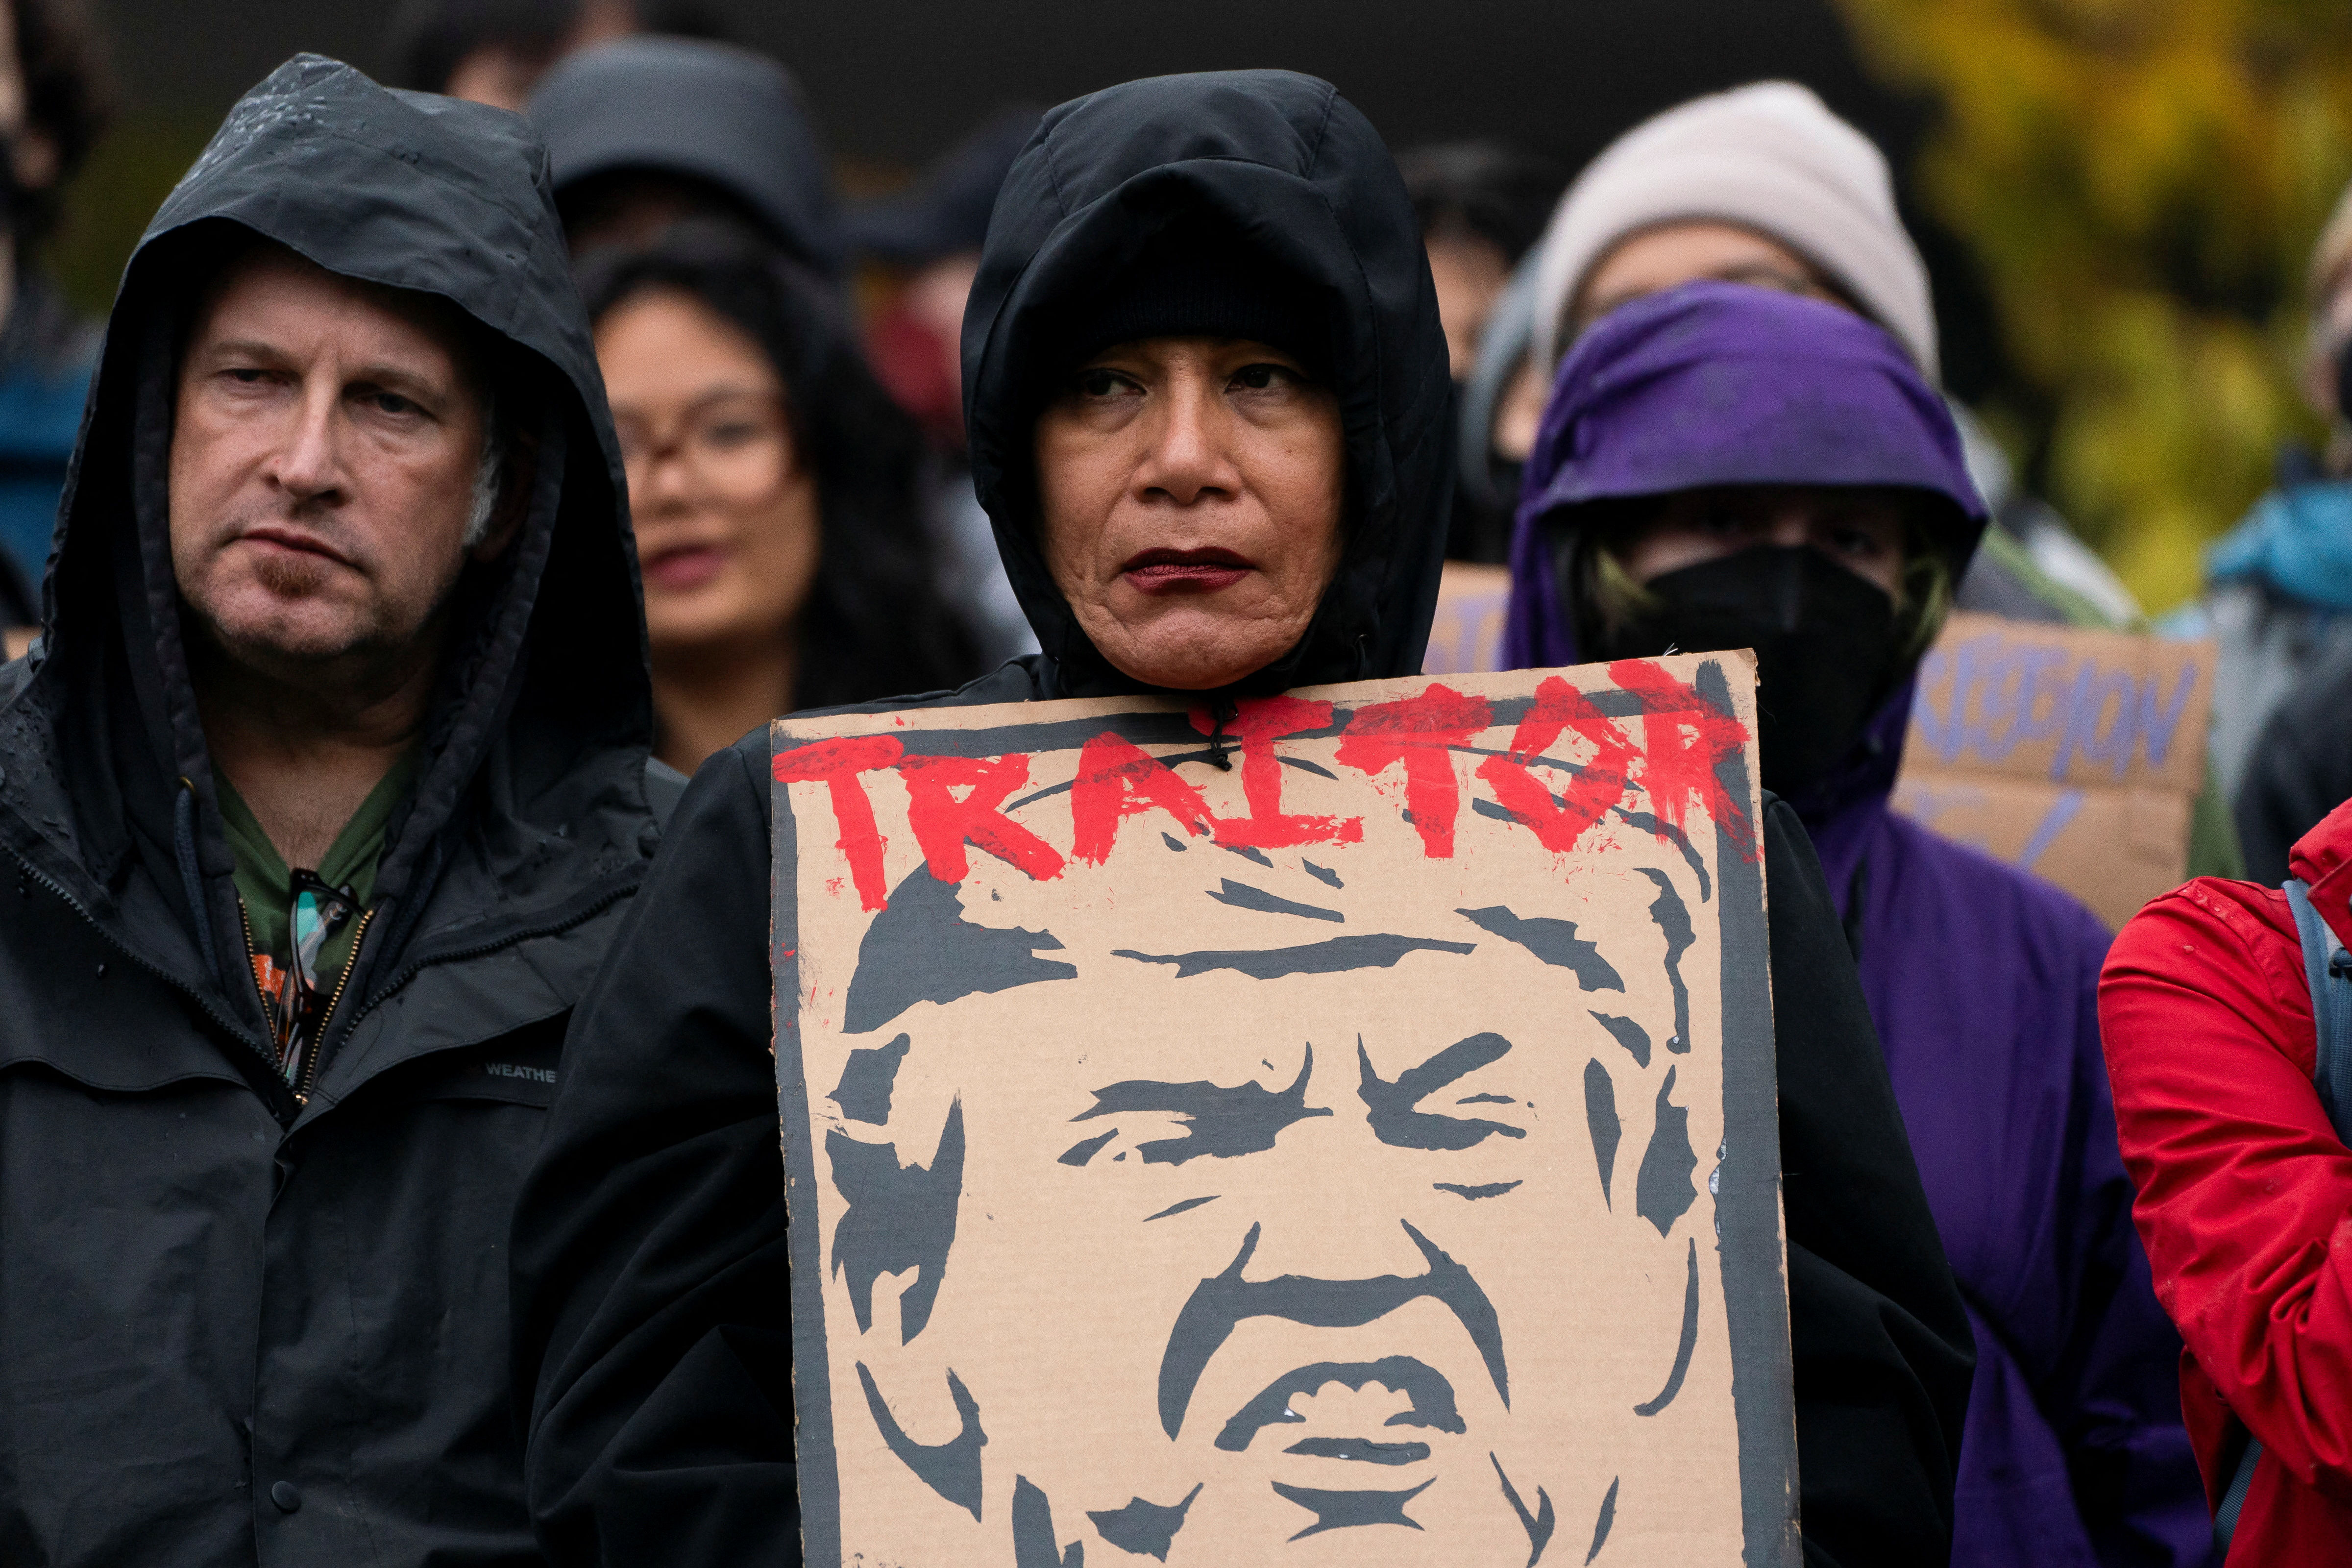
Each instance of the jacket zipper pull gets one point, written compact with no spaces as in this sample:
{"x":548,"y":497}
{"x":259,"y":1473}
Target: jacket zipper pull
{"x":309,"y":1076}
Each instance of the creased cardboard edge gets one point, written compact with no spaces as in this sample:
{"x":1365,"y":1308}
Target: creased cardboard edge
{"x":1763,"y":1394}
{"x":819,"y":1478}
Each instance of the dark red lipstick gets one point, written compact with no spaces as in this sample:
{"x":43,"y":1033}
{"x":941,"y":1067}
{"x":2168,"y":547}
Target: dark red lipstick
{"x":1201,"y":570}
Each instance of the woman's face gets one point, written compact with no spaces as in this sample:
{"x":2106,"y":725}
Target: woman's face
{"x":726,"y":511}
{"x":1859,"y":527}
{"x":1653,"y":260}
{"x":1190,"y":490}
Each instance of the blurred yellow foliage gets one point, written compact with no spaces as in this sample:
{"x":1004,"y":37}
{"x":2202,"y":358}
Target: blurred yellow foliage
{"x":2142,"y":181}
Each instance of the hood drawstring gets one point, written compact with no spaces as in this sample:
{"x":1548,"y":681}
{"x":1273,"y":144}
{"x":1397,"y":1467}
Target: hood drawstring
{"x":191,"y":880}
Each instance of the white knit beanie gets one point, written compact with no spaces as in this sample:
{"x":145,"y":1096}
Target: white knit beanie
{"x":1768,"y":157}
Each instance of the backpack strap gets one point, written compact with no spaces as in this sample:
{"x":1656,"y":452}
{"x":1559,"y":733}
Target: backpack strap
{"x":2327,"y":970}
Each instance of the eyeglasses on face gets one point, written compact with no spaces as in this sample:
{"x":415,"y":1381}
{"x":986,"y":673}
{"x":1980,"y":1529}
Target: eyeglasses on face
{"x":735,"y":443}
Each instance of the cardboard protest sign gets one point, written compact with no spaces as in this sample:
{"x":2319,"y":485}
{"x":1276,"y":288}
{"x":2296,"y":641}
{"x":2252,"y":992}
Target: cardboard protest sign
{"x":2075,"y":754}
{"x":1338,"y":1129}
{"x":1466,"y":637}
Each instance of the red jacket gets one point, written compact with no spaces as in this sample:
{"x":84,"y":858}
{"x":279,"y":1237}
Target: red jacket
{"x":2245,"y":1191}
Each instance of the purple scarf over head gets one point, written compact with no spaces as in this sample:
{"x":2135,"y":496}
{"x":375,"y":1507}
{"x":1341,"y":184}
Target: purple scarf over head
{"x":1982,"y":979}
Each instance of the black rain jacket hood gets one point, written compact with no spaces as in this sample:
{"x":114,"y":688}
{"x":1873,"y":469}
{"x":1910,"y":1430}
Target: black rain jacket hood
{"x":240,"y":1325}
{"x":1299,"y":177}
{"x":694,"y":107}
{"x":546,"y":665}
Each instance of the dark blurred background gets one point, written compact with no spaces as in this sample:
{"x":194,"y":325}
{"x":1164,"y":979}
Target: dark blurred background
{"x":2116,"y":201}
{"x":895,"y":81}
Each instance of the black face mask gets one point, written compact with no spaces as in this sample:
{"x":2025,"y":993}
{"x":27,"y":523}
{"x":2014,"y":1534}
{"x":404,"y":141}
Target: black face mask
{"x":1828,"y":647}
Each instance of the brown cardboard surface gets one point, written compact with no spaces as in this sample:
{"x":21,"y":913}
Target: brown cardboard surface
{"x":2074,"y":753}
{"x":2113,"y":848}
{"x":1364,"y":1153}
{"x":1466,"y":635}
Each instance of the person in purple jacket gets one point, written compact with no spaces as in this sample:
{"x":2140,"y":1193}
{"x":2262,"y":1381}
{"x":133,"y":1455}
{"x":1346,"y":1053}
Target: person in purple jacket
{"x":1723,"y":466}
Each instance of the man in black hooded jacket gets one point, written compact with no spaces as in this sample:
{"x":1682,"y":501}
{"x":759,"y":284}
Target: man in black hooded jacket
{"x":317,"y":807}
{"x":652,"y":1247}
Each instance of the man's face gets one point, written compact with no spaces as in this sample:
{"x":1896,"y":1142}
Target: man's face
{"x":324,"y":454}
{"x":1317,"y":1229}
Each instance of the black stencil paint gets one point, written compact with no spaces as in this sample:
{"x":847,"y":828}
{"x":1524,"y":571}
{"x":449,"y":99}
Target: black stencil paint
{"x":950,"y":1469}
{"x":1629,"y":1034}
{"x":921,"y":949}
{"x":1219,"y":1122}
{"x":1747,"y":1237}
{"x":1144,"y":1528}
{"x":1256,"y":857}
{"x":1362,"y":1450}
{"x":1487,"y":1190}
{"x":1389,"y":1106}
{"x":867,"y":1080}
{"x":1675,"y":922}
{"x":1033,"y":1543}
{"x":1600,"y":1120}
{"x":1675,"y":836}
{"x":1179,"y":1208}
{"x":1085,"y":1148}
{"x":1174,"y":843}
{"x":1242,"y":896}
{"x":1219,"y":1304}
{"x":1539,"y":1523}
{"x":899,"y":1218}
{"x":1608,"y":1517}
{"x":1322,"y":875}
{"x":1431,"y":1398}
{"x":1553,"y":940}
{"x":1337,"y":956}
{"x":1683,"y":1347}
{"x":1663,"y":1189}
{"x":1346,"y":1510}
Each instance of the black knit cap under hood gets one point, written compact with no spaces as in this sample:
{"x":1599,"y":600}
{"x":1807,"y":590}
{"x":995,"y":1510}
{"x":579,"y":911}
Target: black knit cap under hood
{"x":1258,"y":205}
{"x":1202,"y":283}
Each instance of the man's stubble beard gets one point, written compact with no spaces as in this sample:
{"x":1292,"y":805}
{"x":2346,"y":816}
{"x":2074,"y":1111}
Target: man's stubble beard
{"x":363,"y":656}
{"x":291,"y":576}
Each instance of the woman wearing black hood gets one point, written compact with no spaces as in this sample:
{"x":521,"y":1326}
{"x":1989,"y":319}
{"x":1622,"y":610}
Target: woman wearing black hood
{"x":1207,"y":396}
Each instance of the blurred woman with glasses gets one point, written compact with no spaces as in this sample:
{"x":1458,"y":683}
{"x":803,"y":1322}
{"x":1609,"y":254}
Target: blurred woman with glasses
{"x":774,"y":488}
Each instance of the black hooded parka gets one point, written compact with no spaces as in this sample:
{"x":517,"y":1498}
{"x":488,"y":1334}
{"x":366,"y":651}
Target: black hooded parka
{"x":652,"y":1282}
{"x":241,"y":1324}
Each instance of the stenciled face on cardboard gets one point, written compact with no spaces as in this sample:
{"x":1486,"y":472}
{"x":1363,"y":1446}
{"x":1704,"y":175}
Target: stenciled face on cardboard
{"x":1276,"y":1280}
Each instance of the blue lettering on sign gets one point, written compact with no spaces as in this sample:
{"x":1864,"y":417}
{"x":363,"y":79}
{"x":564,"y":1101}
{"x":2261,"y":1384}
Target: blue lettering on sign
{"x":2006,"y":694}
{"x":2053,"y":822}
